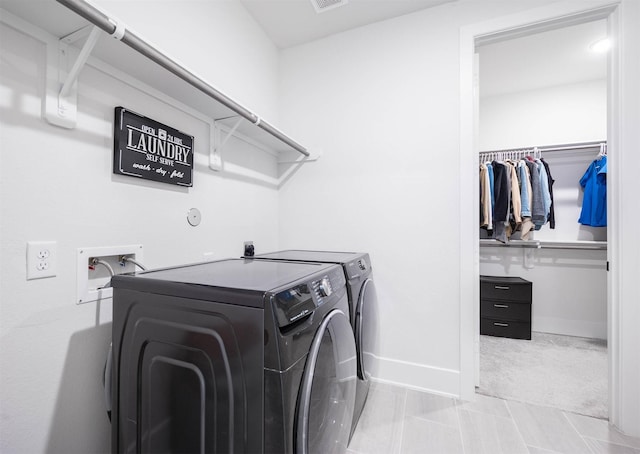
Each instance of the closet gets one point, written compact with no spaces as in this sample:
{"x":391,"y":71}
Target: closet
{"x":567,"y":264}
{"x":543,"y":97}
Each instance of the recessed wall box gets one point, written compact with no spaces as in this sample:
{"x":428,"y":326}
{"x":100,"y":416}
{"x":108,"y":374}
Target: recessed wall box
{"x":94,"y":279}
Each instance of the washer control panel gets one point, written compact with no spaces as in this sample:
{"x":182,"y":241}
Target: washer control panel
{"x":293,"y":304}
{"x":296,"y":303}
{"x":326,"y":287}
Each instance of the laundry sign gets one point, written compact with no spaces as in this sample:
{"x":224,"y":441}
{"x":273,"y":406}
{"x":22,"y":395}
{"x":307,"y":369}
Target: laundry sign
{"x":145,"y":148}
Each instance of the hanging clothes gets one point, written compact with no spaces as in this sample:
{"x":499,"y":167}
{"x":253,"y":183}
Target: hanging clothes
{"x":525,"y":195}
{"x":515,"y":195}
{"x":525,"y":188}
{"x":501,"y":193}
{"x":486,"y":220}
{"x":594,"y":202}
{"x":515,"y":208}
{"x":552,"y":216}
{"x":538,"y":214}
{"x":546,"y":196}
{"x":491,"y":184}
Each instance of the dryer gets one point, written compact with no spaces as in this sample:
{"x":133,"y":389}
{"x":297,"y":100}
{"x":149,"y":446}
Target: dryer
{"x":363,"y":307}
{"x":233,"y":356}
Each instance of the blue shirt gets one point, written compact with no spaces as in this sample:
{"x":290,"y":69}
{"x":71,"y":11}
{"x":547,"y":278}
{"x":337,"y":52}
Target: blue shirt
{"x":594,"y":203}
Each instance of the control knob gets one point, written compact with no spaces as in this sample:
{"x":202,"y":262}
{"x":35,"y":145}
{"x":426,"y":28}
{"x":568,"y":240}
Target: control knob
{"x":325,"y":287}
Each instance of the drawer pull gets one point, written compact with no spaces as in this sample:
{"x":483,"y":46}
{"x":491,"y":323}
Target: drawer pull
{"x":501,"y":287}
{"x":500,"y":324}
{"x":506,"y":306}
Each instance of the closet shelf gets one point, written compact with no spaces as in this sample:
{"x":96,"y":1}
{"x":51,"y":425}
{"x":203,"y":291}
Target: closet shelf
{"x":132,"y":55}
{"x":541,"y":244}
{"x":580,"y":146}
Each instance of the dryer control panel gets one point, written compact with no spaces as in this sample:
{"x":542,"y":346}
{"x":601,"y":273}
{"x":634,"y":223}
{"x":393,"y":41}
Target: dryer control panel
{"x":359,"y":267}
{"x":296,"y":303}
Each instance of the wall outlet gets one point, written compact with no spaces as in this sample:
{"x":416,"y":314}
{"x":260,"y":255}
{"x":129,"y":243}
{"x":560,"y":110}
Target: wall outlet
{"x":41,"y":259}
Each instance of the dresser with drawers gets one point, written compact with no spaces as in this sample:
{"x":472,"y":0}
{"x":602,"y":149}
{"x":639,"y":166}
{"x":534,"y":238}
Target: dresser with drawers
{"x":505,"y":307}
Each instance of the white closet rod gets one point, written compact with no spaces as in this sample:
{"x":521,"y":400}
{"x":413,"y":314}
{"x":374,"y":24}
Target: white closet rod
{"x":110,"y":26}
{"x":551,"y":148}
{"x":541,"y":244}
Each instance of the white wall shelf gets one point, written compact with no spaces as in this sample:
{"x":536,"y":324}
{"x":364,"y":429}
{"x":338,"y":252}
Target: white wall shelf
{"x":130,"y":54}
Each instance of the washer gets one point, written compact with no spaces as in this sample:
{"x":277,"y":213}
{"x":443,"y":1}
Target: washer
{"x":233,"y":356}
{"x":363,"y":308}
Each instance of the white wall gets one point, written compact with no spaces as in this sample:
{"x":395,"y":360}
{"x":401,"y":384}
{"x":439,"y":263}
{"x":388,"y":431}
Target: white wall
{"x":555,"y":115}
{"x":383,"y":102}
{"x":569,"y":286}
{"x":58,"y":185}
{"x":216,"y":40}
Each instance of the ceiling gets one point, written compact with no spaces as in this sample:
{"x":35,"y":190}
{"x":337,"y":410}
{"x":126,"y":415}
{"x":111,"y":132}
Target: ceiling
{"x":551,"y":58}
{"x":556,"y":57}
{"x":292,"y":22}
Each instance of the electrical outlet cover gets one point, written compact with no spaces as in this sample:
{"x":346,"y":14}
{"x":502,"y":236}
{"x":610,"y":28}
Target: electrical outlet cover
{"x":41,"y":259}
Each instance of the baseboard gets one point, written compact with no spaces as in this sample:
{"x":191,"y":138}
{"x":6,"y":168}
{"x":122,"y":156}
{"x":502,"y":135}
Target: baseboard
{"x":579,"y":328}
{"x":416,"y":376}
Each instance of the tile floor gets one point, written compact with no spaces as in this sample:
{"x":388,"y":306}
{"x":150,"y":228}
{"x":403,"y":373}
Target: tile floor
{"x":399,"y":420}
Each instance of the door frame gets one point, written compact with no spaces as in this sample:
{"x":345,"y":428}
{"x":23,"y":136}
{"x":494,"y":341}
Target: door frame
{"x":561,"y":14}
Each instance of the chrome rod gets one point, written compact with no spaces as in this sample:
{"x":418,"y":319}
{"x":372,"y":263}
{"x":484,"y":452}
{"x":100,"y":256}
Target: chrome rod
{"x":538,"y":244}
{"x":99,"y":19}
{"x":280,"y":135}
{"x":574,"y":246}
{"x":513,"y":243}
{"x":552,"y":148}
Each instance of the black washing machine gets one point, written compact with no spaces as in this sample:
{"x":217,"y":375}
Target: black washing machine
{"x":233,"y":356}
{"x":363,"y":307}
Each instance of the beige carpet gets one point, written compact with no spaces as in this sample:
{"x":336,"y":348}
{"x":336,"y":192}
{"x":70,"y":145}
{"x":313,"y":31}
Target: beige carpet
{"x":569,"y":373}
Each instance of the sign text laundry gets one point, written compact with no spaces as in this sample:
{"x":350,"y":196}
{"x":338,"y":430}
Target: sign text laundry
{"x":148,"y":149}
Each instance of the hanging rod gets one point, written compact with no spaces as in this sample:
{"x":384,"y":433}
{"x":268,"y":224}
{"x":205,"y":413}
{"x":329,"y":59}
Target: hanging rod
{"x":111,"y":27}
{"x":551,"y":148}
{"x":541,"y":244}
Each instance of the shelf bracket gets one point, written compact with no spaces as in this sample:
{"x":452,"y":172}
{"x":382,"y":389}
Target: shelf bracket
{"x":219,"y":141}
{"x":61,"y":100}
{"x":89,"y":44}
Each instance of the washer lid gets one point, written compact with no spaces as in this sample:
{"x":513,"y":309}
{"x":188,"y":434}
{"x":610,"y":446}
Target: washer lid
{"x":256,"y":276}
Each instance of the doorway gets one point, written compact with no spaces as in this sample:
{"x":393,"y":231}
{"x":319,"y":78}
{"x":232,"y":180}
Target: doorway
{"x":540,"y":19}
{"x":544,"y":95}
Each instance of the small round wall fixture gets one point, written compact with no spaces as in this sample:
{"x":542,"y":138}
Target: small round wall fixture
{"x":194,"y":217}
